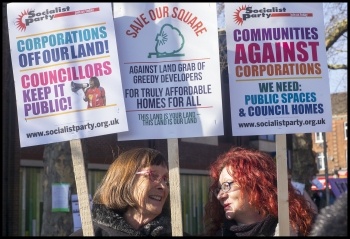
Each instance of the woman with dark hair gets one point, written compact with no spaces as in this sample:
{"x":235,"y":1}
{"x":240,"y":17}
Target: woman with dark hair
{"x":132,"y":199}
{"x":95,"y":95}
{"x":243,"y":198}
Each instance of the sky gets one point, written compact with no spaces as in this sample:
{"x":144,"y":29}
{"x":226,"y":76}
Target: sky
{"x":338,"y":81}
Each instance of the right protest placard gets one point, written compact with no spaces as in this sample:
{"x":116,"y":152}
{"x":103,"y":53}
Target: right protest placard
{"x":278,"y":71}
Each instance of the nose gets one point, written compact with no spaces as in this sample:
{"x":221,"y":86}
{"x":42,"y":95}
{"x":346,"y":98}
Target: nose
{"x":221,"y":195}
{"x":162,"y":182}
{"x":162,"y":185}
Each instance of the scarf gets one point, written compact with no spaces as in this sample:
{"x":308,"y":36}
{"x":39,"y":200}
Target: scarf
{"x":266,"y":227}
{"x":161,"y":225}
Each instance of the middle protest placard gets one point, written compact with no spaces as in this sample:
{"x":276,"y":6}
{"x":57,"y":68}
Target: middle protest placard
{"x":170,"y":68}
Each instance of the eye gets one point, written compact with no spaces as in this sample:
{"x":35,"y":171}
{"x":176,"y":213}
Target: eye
{"x":225,"y":187}
{"x":154,"y":176}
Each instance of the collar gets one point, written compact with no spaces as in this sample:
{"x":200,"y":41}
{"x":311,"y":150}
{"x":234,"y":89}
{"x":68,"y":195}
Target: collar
{"x":265,"y":227}
{"x":114,"y":219}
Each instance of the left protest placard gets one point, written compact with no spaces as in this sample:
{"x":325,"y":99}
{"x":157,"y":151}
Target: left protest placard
{"x":66,"y":71}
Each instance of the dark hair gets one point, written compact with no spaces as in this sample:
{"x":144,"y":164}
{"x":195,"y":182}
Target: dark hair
{"x":333,"y":220}
{"x":255,"y":173}
{"x":96,"y":81}
{"x":116,"y":188}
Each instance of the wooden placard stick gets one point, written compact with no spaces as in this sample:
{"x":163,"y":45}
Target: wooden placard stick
{"x":82,"y":189}
{"x":175,"y":192}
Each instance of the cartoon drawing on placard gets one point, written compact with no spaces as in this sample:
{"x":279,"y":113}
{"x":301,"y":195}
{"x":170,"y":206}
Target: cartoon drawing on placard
{"x":169,"y":42}
{"x":94,"y":93}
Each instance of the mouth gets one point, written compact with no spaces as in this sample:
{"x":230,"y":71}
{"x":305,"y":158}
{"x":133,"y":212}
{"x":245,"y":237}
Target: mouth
{"x":155,"y":197}
{"x":226,"y":207}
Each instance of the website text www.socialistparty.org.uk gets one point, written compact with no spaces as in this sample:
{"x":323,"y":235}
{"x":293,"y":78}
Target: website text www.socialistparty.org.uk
{"x":279,"y":123}
{"x":73,"y":128}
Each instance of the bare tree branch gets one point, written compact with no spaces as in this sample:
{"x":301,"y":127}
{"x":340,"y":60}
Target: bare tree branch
{"x":337,"y":67}
{"x":336,"y":32}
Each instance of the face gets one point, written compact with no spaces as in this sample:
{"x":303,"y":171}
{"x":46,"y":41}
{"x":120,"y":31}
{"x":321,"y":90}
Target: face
{"x":92,"y":83}
{"x":151,"y":195}
{"x":234,"y":201}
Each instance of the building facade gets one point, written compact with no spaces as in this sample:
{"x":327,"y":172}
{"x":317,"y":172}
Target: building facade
{"x":335,"y":142}
{"x":331,"y":148}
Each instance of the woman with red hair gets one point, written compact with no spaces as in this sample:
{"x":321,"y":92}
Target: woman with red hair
{"x":243,"y":197}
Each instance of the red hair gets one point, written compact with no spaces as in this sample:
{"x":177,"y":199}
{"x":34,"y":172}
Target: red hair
{"x":255,"y":172}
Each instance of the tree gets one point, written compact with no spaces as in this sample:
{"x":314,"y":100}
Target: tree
{"x":336,"y":31}
{"x":57,"y":168}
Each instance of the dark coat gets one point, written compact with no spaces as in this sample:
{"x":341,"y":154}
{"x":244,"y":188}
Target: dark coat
{"x":108,"y":222}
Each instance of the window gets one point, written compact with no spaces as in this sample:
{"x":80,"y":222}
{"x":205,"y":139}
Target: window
{"x":318,"y":137}
{"x":320,"y":161}
{"x":270,"y":137}
{"x":346,"y":130}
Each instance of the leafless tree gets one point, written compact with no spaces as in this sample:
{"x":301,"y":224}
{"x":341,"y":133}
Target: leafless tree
{"x":336,"y":31}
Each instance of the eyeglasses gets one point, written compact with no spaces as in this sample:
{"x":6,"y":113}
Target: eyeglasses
{"x":225,"y":187}
{"x":154,"y":177}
